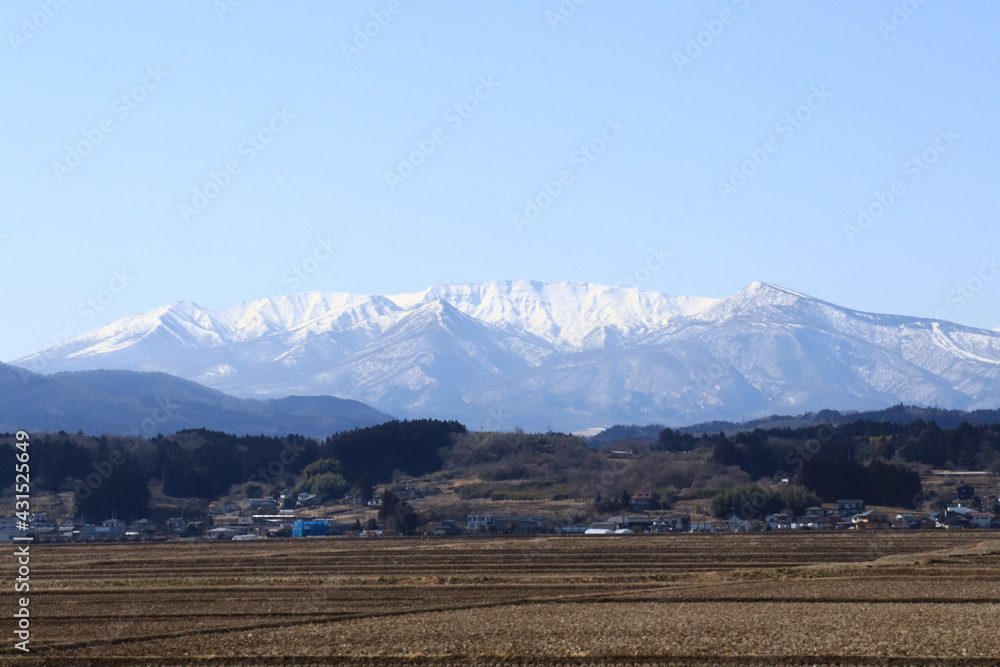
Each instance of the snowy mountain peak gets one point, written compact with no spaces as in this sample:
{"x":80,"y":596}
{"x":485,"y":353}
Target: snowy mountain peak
{"x":758,"y":294}
{"x":755,"y":298}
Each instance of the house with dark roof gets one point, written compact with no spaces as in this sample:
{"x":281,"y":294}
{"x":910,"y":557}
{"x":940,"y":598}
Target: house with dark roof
{"x":849,"y":506}
{"x":953,"y":521}
{"x":870,"y":520}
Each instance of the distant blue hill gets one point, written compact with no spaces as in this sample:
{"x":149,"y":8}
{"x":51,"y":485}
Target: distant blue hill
{"x":141,"y":403}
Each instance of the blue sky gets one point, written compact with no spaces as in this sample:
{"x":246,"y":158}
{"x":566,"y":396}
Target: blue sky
{"x":159,"y":152}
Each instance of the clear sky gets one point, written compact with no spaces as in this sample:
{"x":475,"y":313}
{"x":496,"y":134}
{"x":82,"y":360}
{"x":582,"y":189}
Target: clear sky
{"x":223,"y":151}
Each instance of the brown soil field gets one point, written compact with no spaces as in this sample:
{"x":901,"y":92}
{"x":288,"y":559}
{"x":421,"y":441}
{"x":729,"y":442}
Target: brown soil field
{"x":851,"y":598}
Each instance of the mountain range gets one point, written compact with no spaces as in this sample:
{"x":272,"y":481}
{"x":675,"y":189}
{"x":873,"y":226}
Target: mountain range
{"x":561,"y":355}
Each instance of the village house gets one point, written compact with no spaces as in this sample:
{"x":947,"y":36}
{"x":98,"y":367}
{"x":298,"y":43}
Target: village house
{"x":953,"y":521}
{"x":979,"y":519}
{"x":225,"y":532}
{"x":672,"y":523}
{"x":66,"y":530}
{"x":778,"y":521}
{"x":811,"y":521}
{"x":233,"y":520}
{"x":738,"y":525}
{"x":702,"y":527}
{"x":306,"y":500}
{"x":517,"y":525}
{"x":260,"y":505}
{"x":112,"y":529}
{"x":849,"y":507}
{"x":870,"y":520}
{"x":478,"y":522}
{"x":142,"y":526}
{"x":177,"y":525}
{"x":447,"y":527}
{"x":635,"y":524}
{"x":222,"y":507}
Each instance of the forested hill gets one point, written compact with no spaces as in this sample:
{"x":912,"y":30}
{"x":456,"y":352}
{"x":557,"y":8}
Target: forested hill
{"x":897,"y":414}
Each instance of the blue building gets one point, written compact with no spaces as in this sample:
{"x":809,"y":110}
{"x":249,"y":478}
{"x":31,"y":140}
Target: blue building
{"x":310,"y":528}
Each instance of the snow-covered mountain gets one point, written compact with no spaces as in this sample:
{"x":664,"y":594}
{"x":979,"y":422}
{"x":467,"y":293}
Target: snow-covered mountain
{"x":556,"y":354}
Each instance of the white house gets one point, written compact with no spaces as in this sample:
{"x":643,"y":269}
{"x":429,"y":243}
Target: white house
{"x":738,"y":525}
{"x":478,"y":521}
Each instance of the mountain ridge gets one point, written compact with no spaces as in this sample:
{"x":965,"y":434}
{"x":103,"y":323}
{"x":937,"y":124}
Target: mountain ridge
{"x":576,"y":355}
{"x":146,"y":403}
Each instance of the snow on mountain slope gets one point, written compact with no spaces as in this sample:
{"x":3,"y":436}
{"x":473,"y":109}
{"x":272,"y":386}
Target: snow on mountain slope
{"x":556,"y":354}
{"x":562,"y":313}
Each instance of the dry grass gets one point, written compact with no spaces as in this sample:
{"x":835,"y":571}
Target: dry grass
{"x":821,"y":598}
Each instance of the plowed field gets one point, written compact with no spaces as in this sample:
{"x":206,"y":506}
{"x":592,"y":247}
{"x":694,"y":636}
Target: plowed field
{"x":733,"y":599}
